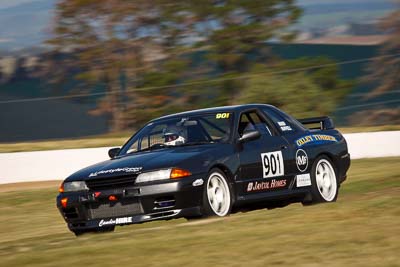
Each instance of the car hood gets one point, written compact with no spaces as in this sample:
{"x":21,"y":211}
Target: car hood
{"x":183,"y":157}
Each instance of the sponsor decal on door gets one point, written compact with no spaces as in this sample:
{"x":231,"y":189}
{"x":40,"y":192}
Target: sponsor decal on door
{"x":267,"y":185}
{"x":301,"y":160}
{"x":273,"y":165}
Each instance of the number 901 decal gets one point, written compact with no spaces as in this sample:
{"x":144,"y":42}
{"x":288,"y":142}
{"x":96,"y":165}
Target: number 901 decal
{"x":222,"y":116}
{"x":272,"y":164}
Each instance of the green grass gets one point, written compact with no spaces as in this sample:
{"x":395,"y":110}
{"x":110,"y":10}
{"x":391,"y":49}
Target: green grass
{"x":361,"y":229}
{"x":115,"y":140}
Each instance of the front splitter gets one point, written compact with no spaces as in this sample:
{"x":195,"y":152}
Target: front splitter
{"x":134,"y":219}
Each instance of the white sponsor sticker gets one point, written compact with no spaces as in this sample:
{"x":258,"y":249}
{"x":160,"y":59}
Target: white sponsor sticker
{"x":281,"y":123}
{"x":125,"y":169}
{"x":272,"y":164}
{"x":303,"y":180}
{"x":122,"y":220}
{"x":286,"y":128}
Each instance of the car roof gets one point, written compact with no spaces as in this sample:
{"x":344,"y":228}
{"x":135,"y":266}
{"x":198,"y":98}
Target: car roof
{"x":234,"y":108}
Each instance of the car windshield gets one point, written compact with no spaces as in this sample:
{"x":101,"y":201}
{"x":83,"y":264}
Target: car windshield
{"x":181,"y":131}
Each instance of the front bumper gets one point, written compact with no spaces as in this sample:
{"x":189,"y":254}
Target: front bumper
{"x":140,"y":203}
{"x":344,"y":165}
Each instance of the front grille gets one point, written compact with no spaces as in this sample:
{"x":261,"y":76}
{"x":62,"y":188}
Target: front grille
{"x":114,"y":209}
{"x":111,"y":182}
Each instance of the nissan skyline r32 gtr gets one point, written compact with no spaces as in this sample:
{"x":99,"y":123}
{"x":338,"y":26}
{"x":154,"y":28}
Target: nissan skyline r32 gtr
{"x":207,"y":162}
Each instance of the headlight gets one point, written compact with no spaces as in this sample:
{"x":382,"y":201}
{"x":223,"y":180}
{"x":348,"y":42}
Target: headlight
{"x":162,"y":175}
{"x":73,"y":186}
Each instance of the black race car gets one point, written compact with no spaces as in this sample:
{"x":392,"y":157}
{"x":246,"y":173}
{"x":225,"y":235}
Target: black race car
{"x":208,"y":162}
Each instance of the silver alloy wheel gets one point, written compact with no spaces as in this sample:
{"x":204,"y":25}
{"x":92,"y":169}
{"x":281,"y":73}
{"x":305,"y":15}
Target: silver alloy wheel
{"x":218,"y":194}
{"x":326,"y":180}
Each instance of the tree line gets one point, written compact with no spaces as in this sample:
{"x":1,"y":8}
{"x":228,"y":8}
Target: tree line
{"x":216,"y":48}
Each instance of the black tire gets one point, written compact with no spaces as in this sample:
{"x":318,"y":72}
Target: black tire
{"x":217,"y":195}
{"x":324,"y":182}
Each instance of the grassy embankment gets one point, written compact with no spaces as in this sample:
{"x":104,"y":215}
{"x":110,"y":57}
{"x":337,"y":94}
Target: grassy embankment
{"x":361,"y":229}
{"x":119,"y":139}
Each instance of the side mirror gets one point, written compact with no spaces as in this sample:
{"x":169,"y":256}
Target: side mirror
{"x":114,"y":152}
{"x":249,"y":136}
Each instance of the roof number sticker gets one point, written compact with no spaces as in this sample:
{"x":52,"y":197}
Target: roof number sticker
{"x":222,"y":116}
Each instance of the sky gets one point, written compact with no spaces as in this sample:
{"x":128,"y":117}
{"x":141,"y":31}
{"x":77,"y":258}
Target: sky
{"x":11,"y":3}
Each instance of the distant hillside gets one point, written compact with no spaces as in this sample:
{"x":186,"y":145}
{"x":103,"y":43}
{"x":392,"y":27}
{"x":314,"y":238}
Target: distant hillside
{"x":334,"y":6}
{"x":325,"y":14}
{"x":28,"y":24}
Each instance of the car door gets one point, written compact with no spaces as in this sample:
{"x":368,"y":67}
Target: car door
{"x":264,"y":161}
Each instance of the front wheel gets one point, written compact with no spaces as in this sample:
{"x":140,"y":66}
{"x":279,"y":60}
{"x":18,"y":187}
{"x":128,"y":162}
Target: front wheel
{"x":324,"y":186}
{"x":217,"y":197}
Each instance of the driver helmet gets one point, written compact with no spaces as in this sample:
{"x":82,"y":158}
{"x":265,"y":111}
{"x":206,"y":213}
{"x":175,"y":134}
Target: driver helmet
{"x":174,"y":135}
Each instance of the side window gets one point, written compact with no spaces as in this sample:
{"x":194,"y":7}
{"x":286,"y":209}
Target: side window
{"x":280,"y":122}
{"x":133,"y":148}
{"x":251,"y":121}
{"x":217,"y":129}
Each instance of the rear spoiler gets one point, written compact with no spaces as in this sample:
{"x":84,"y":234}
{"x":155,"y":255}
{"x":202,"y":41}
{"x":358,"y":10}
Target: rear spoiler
{"x":325,"y":123}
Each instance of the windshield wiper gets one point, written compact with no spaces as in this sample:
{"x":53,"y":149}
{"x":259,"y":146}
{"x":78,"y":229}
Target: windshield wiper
{"x":160,"y":146}
{"x":197,"y":143}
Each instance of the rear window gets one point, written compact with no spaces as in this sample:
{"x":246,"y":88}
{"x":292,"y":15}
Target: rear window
{"x":284,"y":123}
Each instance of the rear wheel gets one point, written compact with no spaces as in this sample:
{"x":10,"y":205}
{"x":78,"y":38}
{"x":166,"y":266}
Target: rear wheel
{"x":324,"y":186}
{"x":217,"y":197}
